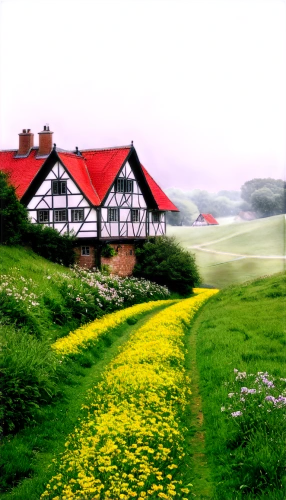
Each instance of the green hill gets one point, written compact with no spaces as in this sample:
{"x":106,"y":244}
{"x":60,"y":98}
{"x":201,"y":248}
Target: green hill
{"x":236,"y":252}
{"x":241,"y":338}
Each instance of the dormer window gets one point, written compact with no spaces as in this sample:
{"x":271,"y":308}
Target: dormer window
{"x":59,"y":187}
{"x":124,"y":185}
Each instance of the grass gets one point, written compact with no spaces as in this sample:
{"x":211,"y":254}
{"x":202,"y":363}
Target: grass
{"x":243,"y":328}
{"x":259,"y":237}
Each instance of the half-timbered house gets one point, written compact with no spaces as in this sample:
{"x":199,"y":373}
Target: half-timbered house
{"x":99,"y":195}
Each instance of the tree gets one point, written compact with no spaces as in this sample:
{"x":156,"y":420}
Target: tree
{"x":186,"y":216}
{"x":231,"y":195}
{"x":202,"y":199}
{"x":249,"y":187}
{"x":266,"y":203}
{"x":13,"y":215}
{"x":16,"y":229}
{"x":163,"y":260}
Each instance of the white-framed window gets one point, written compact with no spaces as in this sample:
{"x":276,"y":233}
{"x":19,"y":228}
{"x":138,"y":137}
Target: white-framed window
{"x":43,"y":216}
{"x":59,"y":187}
{"x":77,"y":215}
{"x":85,"y":251}
{"x":129,"y":186}
{"x":156,"y":217}
{"x":135,"y":215}
{"x":60,"y":215}
{"x":112,"y":215}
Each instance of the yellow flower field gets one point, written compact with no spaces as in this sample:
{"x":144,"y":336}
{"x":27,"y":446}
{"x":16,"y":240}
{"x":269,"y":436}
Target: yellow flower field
{"x":81,"y":338}
{"x":129,"y":440}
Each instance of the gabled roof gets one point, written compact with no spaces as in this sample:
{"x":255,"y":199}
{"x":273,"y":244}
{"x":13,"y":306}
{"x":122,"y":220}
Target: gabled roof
{"x":103,"y":166}
{"x":161,"y":198}
{"x":94,"y":172}
{"x":209,"y":218}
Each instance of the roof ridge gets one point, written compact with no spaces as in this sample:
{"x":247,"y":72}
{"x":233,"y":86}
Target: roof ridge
{"x":107,"y":149}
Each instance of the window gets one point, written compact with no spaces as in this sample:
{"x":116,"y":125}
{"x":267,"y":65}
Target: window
{"x":129,"y":186}
{"x":59,"y":187}
{"x":60,"y":215}
{"x":156,"y":217}
{"x":135,"y":215}
{"x":85,"y":251}
{"x":77,"y":215}
{"x":120,"y":185}
{"x":124,"y":185}
{"x":112,"y":215}
{"x":43,"y":216}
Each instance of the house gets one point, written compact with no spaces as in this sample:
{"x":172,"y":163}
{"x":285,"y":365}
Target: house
{"x":205,"y":220}
{"x":245,"y":216}
{"x":102,"y":196}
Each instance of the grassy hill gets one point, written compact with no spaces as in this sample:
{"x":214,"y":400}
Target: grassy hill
{"x":235,"y":252}
{"x":241,"y":339}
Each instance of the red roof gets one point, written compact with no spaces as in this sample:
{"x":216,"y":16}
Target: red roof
{"x":161,"y":198}
{"x":103,"y":166}
{"x":21,"y":170}
{"x":209,"y":218}
{"x":94,"y":172}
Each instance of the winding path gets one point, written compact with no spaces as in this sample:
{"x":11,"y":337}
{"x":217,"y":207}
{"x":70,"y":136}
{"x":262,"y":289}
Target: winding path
{"x":199,"y":247}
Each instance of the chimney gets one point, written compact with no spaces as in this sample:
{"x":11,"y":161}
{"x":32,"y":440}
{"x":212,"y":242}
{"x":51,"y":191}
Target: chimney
{"x":26,"y":142}
{"x":45,"y":141}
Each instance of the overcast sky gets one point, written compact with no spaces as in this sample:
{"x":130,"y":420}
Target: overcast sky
{"x":198,"y":85}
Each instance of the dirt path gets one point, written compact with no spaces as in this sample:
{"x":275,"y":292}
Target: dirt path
{"x":199,"y":471}
{"x":242,"y":256}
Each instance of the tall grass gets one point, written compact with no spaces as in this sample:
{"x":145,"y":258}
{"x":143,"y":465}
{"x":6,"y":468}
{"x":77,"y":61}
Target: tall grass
{"x":241,"y":356}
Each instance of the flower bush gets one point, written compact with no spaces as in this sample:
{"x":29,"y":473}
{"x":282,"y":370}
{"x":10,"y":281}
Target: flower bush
{"x":256,"y":410}
{"x":129,"y":440}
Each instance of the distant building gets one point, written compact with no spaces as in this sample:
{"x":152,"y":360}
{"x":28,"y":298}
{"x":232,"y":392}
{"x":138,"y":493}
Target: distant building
{"x":205,"y":220}
{"x":102,"y":196}
{"x":246,"y":216}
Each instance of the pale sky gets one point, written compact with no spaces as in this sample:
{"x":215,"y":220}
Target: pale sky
{"x":198,"y":85}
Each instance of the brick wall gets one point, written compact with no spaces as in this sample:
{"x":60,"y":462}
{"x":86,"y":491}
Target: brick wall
{"x":123,"y":263}
{"x":87,"y":261}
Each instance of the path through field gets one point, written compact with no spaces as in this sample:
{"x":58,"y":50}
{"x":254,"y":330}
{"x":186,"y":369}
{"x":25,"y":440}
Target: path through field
{"x":133,"y":428}
{"x":219,"y":252}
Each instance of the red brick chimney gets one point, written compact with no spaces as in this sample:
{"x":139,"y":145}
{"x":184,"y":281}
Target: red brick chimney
{"x":26,"y":142}
{"x":45,"y":141}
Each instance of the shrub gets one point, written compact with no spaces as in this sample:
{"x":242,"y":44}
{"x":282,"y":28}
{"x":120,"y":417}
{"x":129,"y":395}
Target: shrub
{"x":28,"y":377}
{"x":108,"y":251}
{"x":51,"y":245}
{"x":13,"y":216}
{"x":163,"y":260}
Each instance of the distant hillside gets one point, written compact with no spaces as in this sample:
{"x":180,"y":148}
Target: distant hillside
{"x":236,"y":252}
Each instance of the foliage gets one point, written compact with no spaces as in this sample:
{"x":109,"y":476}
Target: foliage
{"x":51,"y":245}
{"x":29,"y":375}
{"x":255,"y":413}
{"x":130,"y":439}
{"x":13,"y":215}
{"x":230,"y":194}
{"x":163,"y":260}
{"x":244,"y":329}
{"x":108,"y":251}
{"x":265,"y":196}
{"x":188,"y":213}
{"x":192,"y":203}
{"x":16,"y":229}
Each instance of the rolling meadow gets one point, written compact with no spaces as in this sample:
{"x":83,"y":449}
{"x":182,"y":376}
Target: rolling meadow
{"x":118,"y":389}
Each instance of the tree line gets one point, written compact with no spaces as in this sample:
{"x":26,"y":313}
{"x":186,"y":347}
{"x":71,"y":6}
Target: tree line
{"x":265,"y":197}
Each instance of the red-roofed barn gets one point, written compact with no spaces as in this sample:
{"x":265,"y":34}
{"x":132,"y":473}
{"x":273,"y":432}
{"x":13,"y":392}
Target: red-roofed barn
{"x":100,"y":195}
{"x":205,"y":220}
